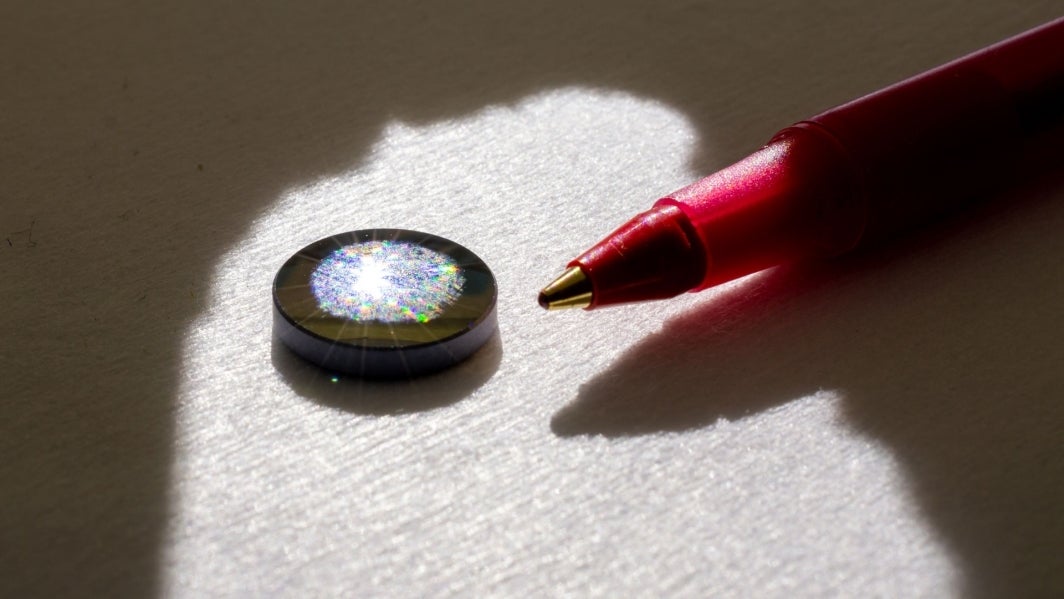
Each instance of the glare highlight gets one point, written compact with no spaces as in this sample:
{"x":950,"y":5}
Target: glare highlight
{"x":386,"y":281}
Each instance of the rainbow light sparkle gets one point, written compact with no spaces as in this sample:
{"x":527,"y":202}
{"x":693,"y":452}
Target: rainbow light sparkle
{"x":386,"y":281}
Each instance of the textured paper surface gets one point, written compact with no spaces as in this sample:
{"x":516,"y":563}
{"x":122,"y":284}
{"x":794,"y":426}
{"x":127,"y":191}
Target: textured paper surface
{"x":482,"y":495}
{"x":883,"y":425}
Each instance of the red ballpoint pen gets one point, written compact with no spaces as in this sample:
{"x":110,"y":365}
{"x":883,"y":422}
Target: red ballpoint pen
{"x":844,"y":178}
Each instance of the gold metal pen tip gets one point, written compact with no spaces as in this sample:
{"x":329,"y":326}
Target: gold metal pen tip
{"x":571,"y":290}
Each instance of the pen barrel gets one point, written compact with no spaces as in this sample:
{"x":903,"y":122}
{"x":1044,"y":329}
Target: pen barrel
{"x":852,"y":175}
{"x":932,"y":143}
{"x":890,"y":160}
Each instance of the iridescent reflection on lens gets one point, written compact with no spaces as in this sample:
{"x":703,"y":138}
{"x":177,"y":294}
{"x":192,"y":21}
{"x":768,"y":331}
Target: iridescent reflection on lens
{"x":386,"y":281}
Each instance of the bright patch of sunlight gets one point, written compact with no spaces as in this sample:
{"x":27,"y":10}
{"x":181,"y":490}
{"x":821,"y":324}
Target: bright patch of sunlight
{"x":288,"y":481}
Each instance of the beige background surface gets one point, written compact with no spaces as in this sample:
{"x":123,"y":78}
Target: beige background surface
{"x":885,"y":425}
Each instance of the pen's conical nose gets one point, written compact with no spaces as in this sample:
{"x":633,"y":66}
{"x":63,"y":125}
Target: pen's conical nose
{"x":571,"y":290}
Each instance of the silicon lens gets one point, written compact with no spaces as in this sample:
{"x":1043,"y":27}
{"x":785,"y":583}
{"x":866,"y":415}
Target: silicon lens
{"x":384,"y":303}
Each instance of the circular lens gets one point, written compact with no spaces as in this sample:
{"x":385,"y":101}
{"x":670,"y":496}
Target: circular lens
{"x":384,"y":303}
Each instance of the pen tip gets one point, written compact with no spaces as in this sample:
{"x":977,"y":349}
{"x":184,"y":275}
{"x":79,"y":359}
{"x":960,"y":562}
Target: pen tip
{"x":571,"y":290}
